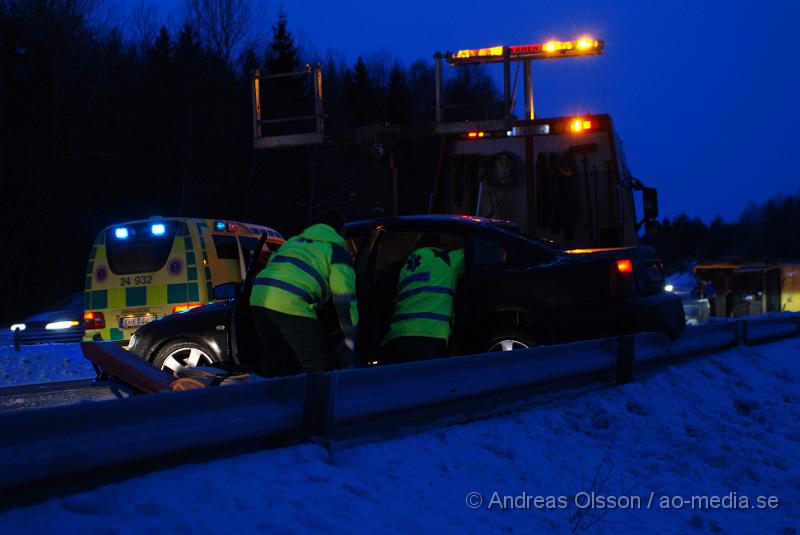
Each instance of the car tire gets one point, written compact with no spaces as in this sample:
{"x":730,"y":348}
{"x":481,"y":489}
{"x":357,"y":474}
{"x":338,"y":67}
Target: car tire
{"x":181,"y":354}
{"x":510,"y":340}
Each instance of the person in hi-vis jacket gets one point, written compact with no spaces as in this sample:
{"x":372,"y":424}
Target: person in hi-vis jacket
{"x":306,"y":271}
{"x":424,"y":305}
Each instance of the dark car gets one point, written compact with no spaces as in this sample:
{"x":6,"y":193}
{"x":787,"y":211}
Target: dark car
{"x":516,"y":293}
{"x":61,"y":322}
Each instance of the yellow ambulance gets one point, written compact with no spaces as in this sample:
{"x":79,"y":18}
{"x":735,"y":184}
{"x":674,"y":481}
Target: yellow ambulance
{"x":142,"y":270}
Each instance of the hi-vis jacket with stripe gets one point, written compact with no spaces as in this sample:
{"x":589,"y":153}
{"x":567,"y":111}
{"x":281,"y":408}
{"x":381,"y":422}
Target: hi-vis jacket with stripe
{"x":304,"y":272}
{"x":425,"y":294}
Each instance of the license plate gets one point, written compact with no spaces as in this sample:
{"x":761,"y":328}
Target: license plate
{"x":136,"y":321}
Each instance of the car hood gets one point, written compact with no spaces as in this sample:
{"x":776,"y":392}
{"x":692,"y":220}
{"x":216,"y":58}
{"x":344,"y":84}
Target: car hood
{"x":210,"y":309}
{"x":55,"y":315}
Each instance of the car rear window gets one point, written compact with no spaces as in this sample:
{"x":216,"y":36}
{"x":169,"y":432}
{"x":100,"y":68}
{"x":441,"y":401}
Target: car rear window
{"x":136,"y":249}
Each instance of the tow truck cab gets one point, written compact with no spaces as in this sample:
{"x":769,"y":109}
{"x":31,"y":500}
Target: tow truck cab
{"x":563,"y":179}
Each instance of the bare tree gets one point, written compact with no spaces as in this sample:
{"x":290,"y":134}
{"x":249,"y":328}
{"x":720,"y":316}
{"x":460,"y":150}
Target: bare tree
{"x":144,"y":25}
{"x":226,"y":26}
{"x":380,"y":62}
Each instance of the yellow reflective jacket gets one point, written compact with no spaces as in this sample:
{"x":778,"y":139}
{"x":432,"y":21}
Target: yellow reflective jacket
{"x":425,"y":294}
{"x":304,"y":272}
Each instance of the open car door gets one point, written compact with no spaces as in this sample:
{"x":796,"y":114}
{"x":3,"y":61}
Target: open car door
{"x":245,"y":344}
{"x":369,"y":335}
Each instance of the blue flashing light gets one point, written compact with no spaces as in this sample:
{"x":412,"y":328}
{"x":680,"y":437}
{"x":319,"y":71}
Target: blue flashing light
{"x":157,"y":229}
{"x":121,"y":233}
{"x":220,"y":225}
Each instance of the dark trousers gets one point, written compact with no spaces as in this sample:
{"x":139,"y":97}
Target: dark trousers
{"x":409,"y":348}
{"x":280,"y":332}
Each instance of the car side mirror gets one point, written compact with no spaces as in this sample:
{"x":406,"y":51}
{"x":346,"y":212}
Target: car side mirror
{"x":228,"y":290}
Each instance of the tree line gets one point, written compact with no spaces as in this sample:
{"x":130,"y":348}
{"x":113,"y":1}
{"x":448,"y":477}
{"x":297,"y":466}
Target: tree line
{"x":763,"y":231}
{"x":109,"y":117}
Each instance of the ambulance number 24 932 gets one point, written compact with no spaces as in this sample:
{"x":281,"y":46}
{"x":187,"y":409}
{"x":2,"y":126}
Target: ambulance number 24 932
{"x":136,"y":280}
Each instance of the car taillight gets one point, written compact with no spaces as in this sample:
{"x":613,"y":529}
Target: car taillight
{"x":184,"y":308}
{"x":622,"y":281}
{"x":94,"y":320}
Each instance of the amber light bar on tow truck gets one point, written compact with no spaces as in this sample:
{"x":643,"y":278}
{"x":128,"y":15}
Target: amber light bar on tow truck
{"x":476,"y":134}
{"x":584,"y":46}
{"x":579,"y":125}
{"x":575,"y":125}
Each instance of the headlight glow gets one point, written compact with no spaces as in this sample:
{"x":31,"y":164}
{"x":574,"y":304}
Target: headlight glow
{"x":57,"y":325}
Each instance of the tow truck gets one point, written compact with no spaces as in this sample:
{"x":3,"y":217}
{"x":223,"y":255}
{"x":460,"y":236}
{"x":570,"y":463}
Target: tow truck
{"x":561,"y":179}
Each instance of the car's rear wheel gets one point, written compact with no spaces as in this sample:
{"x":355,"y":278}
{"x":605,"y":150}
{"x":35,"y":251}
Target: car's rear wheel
{"x":181,"y":355}
{"x":510,"y":340}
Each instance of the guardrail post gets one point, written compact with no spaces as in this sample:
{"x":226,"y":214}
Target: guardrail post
{"x":741,"y":328}
{"x":16,"y":340}
{"x":318,"y":403}
{"x":624,"y":361}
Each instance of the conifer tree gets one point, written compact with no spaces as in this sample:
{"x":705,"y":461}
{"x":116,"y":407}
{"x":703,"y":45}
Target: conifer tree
{"x":397,"y":96}
{"x":360,"y":94}
{"x":284,"y":97}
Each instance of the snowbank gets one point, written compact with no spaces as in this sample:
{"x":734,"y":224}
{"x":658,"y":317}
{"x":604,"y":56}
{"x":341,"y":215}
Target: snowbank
{"x":725,"y":424}
{"x":42,"y":363}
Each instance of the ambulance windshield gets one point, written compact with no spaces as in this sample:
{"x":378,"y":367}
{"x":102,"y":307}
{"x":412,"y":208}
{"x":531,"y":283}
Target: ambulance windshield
{"x":139,"y":247}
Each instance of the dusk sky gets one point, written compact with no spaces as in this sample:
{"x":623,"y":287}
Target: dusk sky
{"x":704,"y":93}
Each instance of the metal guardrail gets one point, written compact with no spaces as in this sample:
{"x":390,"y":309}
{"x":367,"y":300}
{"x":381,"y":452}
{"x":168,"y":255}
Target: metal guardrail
{"x":371,"y":392}
{"x":653,"y":348}
{"x":66,"y":392}
{"x":53,"y":443}
{"x":45,"y":445}
{"x":759,"y":330}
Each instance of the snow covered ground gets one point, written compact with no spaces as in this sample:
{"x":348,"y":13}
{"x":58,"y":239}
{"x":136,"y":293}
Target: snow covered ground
{"x":708,"y":428}
{"x":41,"y":363}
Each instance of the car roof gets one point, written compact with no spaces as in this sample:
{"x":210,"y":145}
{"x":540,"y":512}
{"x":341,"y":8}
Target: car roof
{"x":435,"y":220}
